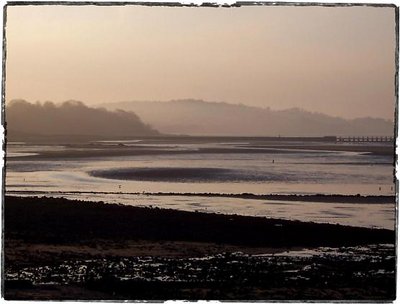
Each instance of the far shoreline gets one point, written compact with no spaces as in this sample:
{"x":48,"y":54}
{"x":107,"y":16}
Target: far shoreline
{"x":99,"y":147}
{"x":325,"y":198}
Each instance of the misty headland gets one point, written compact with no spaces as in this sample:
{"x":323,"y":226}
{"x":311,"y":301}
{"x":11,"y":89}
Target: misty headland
{"x":69,"y":121}
{"x":205,"y":118}
{"x":74,"y":121}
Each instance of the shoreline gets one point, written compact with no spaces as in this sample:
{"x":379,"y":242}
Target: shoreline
{"x":326,"y":198}
{"x":50,"y":219}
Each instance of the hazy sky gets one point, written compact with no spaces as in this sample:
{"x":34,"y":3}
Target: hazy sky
{"x":339,"y":61}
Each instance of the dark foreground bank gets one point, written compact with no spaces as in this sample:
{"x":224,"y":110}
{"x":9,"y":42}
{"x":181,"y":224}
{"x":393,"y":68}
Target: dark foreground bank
{"x":61,"y":249}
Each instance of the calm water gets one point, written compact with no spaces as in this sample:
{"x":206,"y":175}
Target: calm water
{"x":280,"y":172}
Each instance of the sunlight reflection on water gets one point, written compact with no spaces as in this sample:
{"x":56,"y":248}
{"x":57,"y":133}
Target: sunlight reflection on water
{"x":300,"y":172}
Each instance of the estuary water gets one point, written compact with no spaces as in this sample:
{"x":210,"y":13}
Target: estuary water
{"x":120,"y":171}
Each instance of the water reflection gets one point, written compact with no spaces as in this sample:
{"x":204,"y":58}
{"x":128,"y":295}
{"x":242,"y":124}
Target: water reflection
{"x":299,"y":171}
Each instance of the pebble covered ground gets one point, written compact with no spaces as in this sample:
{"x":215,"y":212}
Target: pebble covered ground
{"x":58,"y":249}
{"x":362,"y":272}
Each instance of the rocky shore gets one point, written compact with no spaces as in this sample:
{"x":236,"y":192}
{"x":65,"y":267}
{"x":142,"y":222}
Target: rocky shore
{"x":63,"y":249}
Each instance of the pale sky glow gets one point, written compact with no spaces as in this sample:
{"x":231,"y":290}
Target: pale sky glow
{"x":335,"y":60}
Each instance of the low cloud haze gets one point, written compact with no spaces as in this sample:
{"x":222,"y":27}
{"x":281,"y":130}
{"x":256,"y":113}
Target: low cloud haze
{"x":334,"y":60}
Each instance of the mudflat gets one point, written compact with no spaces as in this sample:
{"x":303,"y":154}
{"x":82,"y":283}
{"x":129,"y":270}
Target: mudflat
{"x":97,"y":149}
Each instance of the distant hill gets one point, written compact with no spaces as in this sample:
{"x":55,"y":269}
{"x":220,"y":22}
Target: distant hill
{"x":197,"y":117}
{"x":70,"y":121}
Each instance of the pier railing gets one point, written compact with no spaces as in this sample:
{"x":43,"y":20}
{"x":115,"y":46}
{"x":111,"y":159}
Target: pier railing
{"x":387,"y":139}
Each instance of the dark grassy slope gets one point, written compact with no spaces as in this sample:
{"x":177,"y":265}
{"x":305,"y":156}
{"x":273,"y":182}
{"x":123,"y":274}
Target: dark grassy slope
{"x":61,"y":221}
